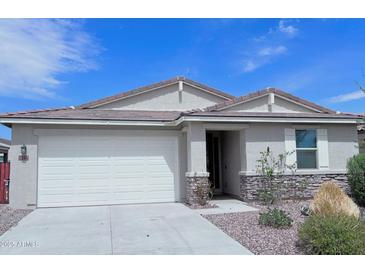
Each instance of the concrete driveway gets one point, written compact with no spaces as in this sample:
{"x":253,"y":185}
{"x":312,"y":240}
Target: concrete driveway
{"x":169,"y":228}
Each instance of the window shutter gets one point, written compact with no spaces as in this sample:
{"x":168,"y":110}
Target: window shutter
{"x":322,"y":146}
{"x":290,"y":146}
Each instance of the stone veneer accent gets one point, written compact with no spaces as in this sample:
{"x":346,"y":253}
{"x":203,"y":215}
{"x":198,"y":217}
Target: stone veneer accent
{"x":192,"y":189}
{"x":291,"y":186}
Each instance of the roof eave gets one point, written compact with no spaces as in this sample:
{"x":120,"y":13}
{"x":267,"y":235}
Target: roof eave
{"x":69,"y":121}
{"x":304,"y":120}
{"x":183,"y":118}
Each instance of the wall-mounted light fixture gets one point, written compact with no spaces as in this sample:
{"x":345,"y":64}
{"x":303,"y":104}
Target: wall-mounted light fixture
{"x":23,"y":153}
{"x":23,"y":150}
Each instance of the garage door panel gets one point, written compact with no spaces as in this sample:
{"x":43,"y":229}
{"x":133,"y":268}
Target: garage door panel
{"x":94,"y":174}
{"x":134,"y":171}
{"x":162,"y":179}
{"x":92,"y":184}
{"x":127,"y":189}
{"x":57,"y":199}
{"x":56,"y":164}
{"x":58,"y":187}
{"x":89,"y":170}
{"x":90,"y":162}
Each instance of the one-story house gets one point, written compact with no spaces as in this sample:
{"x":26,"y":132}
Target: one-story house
{"x":4,"y":149}
{"x":163,"y":142}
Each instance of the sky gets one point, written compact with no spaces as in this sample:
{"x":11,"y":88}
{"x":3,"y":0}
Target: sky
{"x":47,"y":63}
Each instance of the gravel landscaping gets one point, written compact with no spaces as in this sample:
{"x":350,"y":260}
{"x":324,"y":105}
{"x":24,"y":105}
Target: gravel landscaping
{"x":244,"y":227}
{"x":10,"y":217}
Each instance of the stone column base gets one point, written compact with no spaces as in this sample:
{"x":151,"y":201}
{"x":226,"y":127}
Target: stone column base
{"x":292,"y":186}
{"x":197,"y":189}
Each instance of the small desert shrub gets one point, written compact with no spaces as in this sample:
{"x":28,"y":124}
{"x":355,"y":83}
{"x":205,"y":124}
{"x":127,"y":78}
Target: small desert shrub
{"x":267,"y":197}
{"x":331,"y":200}
{"x":332,"y":235}
{"x":356,"y":176}
{"x":276,"y":218}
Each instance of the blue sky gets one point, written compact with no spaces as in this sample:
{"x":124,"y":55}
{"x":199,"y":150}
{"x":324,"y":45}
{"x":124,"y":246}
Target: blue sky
{"x":54,"y":63}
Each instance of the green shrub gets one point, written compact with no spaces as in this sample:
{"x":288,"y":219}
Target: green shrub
{"x":356,"y":176}
{"x":276,"y":218}
{"x":267,"y":197}
{"x":332,"y":235}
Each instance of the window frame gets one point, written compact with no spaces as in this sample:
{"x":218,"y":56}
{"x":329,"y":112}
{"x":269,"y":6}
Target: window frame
{"x":315,"y":149}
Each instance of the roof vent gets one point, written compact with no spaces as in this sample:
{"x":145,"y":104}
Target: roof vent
{"x":72,"y":107}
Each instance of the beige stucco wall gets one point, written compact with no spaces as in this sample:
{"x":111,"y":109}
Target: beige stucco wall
{"x":196,"y":149}
{"x":23,"y":175}
{"x":342,"y":143}
{"x":257,"y":105}
{"x":183,"y":165}
{"x":362,"y":142}
{"x":281,"y":105}
{"x":261,"y":104}
{"x":258,"y":137}
{"x":167,"y":98}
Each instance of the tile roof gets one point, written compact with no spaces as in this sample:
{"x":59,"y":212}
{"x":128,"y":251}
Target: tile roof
{"x":271,"y":114}
{"x":263,"y":92}
{"x":97,"y":114}
{"x":152,"y":87}
{"x":87,"y":112}
{"x":163,"y":116}
{"x":5,"y":141}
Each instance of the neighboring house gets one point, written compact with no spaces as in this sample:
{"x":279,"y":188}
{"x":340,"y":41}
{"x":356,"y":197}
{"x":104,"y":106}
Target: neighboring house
{"x":4,"y":149}
{"x":361,"y":134}
{"x":157,"y":143}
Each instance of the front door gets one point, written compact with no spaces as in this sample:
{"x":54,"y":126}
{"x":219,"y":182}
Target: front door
{"x":213,"y":160}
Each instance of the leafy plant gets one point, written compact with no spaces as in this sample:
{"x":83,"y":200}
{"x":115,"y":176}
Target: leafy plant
{"x":331,"y":200}
{"x":356,"y":177}
{"x":272,"y":168}
{"x":276,"y":218}
{"x":332,"y":235}
{"x":266,"y":196}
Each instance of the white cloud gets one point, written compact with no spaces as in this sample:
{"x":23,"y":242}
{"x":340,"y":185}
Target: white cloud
{"x":262,"y":57}
{"x":290,"y":30}
{"x":34,"y":52}
{"x":268,"y":46}
{"x":347,"y":97}
{"x":250,"y":65}
{"x":272,"y":51}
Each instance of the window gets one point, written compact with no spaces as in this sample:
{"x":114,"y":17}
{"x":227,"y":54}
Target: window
{"x":306,"y":148}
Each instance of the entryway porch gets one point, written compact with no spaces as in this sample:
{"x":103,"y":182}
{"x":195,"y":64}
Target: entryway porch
{"x":215,"y":157}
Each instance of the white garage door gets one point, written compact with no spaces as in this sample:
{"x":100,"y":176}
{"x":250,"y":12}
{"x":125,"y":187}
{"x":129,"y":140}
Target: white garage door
{"x":98,"y":170}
